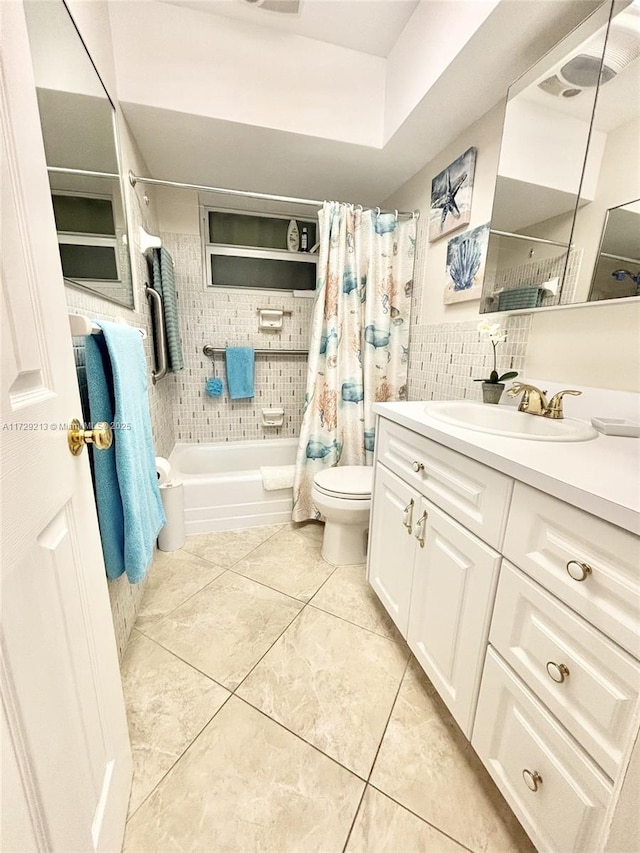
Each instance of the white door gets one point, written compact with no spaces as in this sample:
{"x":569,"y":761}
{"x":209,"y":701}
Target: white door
{"x":454,"y":582}
{"x":66,"y":763}
{"x":392,"y":547}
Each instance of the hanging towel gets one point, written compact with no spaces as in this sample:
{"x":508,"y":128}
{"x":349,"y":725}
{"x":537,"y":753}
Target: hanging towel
{"x":163,"y":276}
{"x":275,"y":477}
{"x":240,"y":370}
{"x":129,"y":505}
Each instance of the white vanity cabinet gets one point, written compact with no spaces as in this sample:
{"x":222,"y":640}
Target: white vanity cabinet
{"x":523,"y":611}
{"x":436,"y":579}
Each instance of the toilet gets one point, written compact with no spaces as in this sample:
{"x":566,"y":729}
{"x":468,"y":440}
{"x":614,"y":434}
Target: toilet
{"x":343,"y":496}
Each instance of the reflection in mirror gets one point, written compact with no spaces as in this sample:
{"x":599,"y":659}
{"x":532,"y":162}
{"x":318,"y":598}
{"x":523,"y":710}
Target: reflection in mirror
{"x":617,"y":270}
{"x":554,"y":162}
{"x":79,"y":132}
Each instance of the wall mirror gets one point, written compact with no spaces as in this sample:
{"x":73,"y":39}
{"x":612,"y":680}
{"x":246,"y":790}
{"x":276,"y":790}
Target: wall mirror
{"x":81,"y":147}
{"x":565,"y":225}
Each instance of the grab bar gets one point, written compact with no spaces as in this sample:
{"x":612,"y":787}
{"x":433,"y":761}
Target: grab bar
{"x":160,"y":336}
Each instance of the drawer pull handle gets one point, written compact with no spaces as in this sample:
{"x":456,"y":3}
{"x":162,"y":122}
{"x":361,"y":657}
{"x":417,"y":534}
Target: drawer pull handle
{"x":532,"y":780}
{"x":585,"y":570}
{"x":420,"y":525}
{"x":557,"y":671}
{"x":407,"y":512}
{"x":417,"y":467}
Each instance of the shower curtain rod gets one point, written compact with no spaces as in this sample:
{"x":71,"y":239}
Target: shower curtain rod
{"x":134,"y":179}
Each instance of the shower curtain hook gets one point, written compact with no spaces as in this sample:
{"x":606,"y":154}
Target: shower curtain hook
{"x":377,"y":211}
{"x":396,"y":213}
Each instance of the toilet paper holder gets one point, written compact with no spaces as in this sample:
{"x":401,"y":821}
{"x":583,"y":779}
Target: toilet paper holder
{"x":272,"y":417}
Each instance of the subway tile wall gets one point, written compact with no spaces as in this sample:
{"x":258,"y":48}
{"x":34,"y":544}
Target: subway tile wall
{"x":229,"y":317}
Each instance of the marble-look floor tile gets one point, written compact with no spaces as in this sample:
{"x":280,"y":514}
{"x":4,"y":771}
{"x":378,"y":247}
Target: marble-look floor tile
{"x":174,"y":577}
{"x":313,"y":529}
{"x":332,"y":683}
{"x":225,"y":628}
{"x":229,"y":546}
{"x":426,"y":763}
{"x":347,"y":594}
{"x":245,"y":785}
{"x":168,"y":703}
{"x":289,"y":562}
{"x":383,"y":826}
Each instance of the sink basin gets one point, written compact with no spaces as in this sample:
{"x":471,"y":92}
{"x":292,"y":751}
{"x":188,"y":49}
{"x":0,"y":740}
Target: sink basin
{"x":509,"y":422}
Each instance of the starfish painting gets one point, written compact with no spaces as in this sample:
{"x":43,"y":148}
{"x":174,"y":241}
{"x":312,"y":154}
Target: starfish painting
{"x":451,"y":192}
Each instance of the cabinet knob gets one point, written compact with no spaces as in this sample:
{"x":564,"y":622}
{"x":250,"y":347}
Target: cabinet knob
{"x":417,"y":467}
{"x":578,"y":571}
{"x":420,"y":525}
{"x":407,"y":512}
{"x":532,"y":780}
{"x":557,"y":671}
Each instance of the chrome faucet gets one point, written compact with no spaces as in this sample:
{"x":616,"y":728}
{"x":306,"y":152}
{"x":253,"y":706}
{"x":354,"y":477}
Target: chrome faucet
{"x":534,"y":401}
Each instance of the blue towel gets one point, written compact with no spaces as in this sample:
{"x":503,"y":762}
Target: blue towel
{"x":164,"y":282}
{"x":240,"y":370}
{"x":130,"y":509}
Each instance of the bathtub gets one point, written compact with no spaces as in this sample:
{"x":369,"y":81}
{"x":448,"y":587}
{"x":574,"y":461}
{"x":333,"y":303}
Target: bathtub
{"x":223,"y":487}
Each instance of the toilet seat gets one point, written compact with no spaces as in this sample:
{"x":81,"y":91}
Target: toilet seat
{"x":348,"y":482}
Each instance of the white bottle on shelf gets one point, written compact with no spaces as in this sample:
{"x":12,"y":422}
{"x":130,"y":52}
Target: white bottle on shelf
{"x":293,"y":237}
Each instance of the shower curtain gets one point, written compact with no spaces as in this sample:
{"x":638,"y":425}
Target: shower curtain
{"x":359,"y":346}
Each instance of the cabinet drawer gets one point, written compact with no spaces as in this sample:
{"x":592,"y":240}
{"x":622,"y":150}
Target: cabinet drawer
{"x":548,"y":538}
{"x":473,"y":494}
{"x":597,"y":697}
{"x":514,"y":735}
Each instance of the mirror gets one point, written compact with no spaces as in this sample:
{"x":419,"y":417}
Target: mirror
{"x":569,"y":172}
{"x":81,"y":147}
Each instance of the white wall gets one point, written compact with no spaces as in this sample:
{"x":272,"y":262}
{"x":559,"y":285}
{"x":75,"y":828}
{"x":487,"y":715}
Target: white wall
{"x":596,"y":345}
{"x":416,"y":194}
{"x":306,"y":86}
{"x":92,"y":19}
{"x":436,"y":32}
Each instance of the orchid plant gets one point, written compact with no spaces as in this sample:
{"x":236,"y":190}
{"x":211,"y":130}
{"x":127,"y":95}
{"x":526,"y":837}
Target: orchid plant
{"x":493,"y":333}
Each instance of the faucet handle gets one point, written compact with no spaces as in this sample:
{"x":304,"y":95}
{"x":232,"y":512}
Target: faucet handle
{"x":554,"y":409}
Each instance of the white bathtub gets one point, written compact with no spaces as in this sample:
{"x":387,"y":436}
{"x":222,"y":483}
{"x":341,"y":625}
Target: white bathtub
{"x":223,"y":487}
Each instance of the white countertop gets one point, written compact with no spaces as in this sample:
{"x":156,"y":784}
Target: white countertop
{"x":601,"y":476}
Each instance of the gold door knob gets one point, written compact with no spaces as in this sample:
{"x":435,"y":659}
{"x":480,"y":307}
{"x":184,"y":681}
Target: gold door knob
{"x":100,"y":436}
{"x":532,"y":780}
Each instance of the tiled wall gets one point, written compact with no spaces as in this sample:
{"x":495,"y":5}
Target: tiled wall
{"x":536,"y":273}
{"x":221,"y":317}
{"x":445,"y":358}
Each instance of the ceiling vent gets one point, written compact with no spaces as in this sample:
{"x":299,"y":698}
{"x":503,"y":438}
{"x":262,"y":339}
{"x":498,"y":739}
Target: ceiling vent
{"x":284,"y":7}
{"x":583,"y":70}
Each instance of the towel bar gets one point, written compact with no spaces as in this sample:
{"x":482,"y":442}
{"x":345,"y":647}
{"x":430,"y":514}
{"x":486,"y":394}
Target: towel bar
{"x":210,"y":350}
{"x":160,"y":334}
{"x":81,"y":325}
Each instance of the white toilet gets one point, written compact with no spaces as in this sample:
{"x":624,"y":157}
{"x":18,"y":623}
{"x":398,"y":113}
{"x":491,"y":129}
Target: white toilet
{"x":343,"y":496}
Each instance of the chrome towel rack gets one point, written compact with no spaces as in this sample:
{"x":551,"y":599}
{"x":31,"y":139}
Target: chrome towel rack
{"x":210,"y":351}
{"x":82,"y":326}
{"x":160,"y":334}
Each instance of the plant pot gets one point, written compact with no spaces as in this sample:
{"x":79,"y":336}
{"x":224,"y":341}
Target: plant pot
{"x":492,"y":391}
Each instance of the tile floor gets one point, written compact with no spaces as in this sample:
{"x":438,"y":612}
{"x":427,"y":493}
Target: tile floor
{"x":274,"y":707}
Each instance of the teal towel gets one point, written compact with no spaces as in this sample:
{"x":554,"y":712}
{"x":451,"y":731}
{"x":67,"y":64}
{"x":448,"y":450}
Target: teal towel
{"x":240,"y":370}
{"x":164,"y":282}
{"x":130,"y":509}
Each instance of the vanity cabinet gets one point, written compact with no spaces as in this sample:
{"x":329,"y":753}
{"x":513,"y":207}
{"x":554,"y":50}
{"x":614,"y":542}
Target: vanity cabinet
{"x":523,"y":611}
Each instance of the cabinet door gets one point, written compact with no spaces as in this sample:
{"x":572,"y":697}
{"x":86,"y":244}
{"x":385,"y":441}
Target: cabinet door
{"x":392,"y":546}
{"x":454,"y":582}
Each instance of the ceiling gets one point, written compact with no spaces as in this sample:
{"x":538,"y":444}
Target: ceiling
{"x":368,"y":26}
